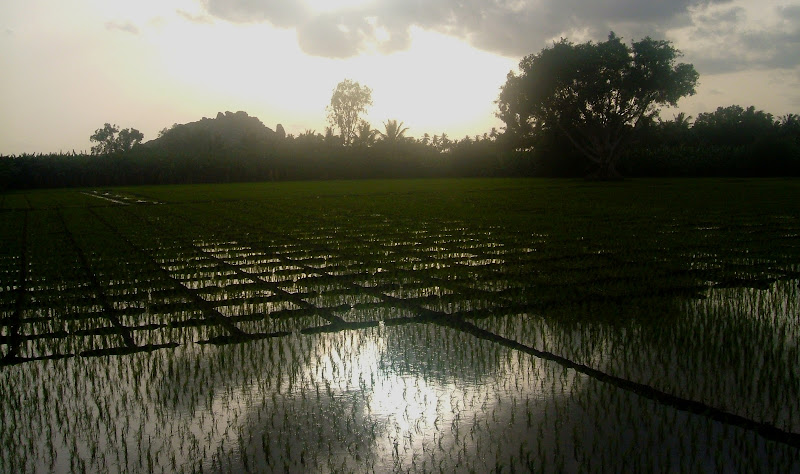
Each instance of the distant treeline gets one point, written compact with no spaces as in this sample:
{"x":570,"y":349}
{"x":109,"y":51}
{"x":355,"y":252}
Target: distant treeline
{"x":731,"y":141}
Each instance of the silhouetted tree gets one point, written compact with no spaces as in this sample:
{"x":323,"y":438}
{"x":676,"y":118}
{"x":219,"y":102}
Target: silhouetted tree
{"x":732,"y":141}
{"x":733,"y":125}
{"x":441,"y":143}
{"x":110,"y":139}
{"x":594,"y":93}
{"x":349,"y":100}
{"x":331,"y":138}
{"x":366,"y":135}
{"x":128,"y":137}
{"x":668,"y":132}
{"x":395,"y":132}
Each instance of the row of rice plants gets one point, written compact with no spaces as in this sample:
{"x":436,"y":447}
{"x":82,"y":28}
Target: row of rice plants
{"x":395,"y":394}
{"x":375,"y":398}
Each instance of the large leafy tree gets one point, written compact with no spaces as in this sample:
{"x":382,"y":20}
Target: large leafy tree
{"x":594,"y":94}
{"x":349,"y":100}
{"x":110,"y":139}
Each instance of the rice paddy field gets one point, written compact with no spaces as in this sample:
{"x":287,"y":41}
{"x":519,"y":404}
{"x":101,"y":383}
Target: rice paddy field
{"x":402,"y":326}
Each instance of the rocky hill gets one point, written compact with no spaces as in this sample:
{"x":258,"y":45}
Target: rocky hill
{"x":227,"y":130}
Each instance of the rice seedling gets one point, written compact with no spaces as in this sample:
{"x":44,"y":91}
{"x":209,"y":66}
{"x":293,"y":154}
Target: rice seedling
{"x":402,"y":325}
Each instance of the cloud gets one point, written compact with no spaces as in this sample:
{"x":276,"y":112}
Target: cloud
{"x":726,"y":39}
{"x":514,"y":28}
{"x":126,"y":26}
{"x":200,"y":19}
{"x":790,"y":13}
{"x":507,"y":27}
{"x":280,"y":13}
{"x":333,"y":36}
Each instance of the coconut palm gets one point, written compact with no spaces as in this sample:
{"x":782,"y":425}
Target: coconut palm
{"x":395,"y":132}
{"x":331,"y":138}
{"x":444,"y":143}
{"x":365,"y":134}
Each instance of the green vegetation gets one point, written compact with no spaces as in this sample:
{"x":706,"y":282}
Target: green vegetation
{"x":110,"y":139}
{"x":594,"y":94}
{"x":235,"y":147}
{"x":568,"y":105}
{"x":419,"y":325}
{"x":349,"y":100}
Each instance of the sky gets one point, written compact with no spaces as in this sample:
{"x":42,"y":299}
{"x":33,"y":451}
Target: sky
{"x":67,"y":67}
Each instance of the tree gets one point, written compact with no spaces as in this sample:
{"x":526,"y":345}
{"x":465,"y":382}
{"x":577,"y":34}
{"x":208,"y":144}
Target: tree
{"x":733,"y":125}
{"x":441,"y":144}
{"x":105,"y":138}
{"x":349,"y":100}
{"x":365,"y":135}
{"x":675,"y":132}
{"x":395,"y":132}
{"x":789,"y":127}
{"x":331,"y":138}
{"x":110,"y":139}
{"x":594,"y":94}
{"x":127,"y":138}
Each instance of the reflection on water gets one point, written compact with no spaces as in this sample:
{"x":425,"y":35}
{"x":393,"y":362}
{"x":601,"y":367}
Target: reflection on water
{"x":418,"y":396}
{"x":201,"y":338}
{"x":380,"y":399}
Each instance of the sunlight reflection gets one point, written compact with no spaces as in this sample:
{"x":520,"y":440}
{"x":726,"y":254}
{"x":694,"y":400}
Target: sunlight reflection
{"x":372,"y":394}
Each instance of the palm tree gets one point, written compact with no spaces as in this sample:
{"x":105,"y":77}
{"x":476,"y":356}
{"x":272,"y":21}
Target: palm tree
{"x":444,"y":143}
{"x":365,"y":134}
{"x":331,"y":138}
{"x":683,"y":121}
{"x":790,"y":124}
{"x":395,"y":132}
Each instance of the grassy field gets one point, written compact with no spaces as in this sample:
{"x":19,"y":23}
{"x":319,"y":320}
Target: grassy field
{"x":402,"y":325}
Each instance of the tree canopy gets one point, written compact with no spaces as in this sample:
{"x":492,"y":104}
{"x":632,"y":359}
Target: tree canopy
{"x":365,"y":135}
{"x":349,"y":100}
{"x":110,"y":139}
{"x":594,"y":94}
{"x":733,"y":125}
{"x":395,"y":132}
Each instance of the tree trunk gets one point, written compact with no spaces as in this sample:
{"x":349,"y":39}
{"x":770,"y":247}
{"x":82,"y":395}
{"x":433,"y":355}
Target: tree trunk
{"x":606,"y":169}
{"x":601,"y":151}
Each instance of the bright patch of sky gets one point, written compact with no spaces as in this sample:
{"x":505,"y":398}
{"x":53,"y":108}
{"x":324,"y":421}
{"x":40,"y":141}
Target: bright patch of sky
{"x":69,"y":67}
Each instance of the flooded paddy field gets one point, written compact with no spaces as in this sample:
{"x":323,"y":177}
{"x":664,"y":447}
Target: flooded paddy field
{"x":402,"y":326}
